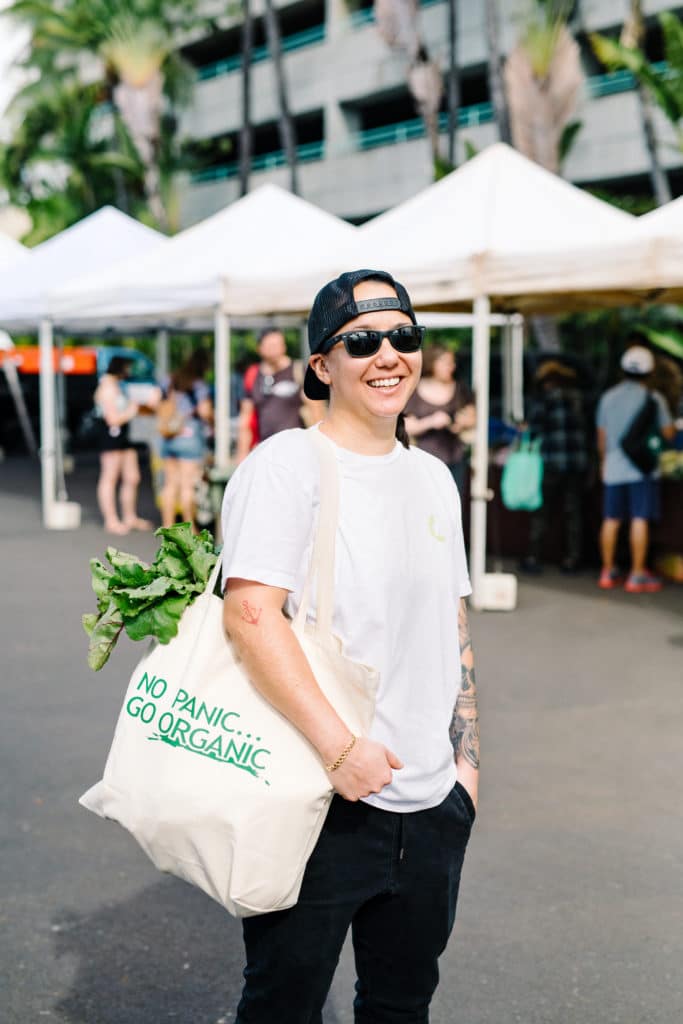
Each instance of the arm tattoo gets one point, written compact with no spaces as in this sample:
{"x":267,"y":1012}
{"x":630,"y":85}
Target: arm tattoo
{"x":464,"y":729}
{"x":250,"y":614}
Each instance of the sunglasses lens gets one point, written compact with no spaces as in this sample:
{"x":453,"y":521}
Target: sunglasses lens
{"x":408,"y":338}
{"x":361,"y":344}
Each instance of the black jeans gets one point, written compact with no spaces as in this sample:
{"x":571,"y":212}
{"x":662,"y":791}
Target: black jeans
{"x":393,"y":878}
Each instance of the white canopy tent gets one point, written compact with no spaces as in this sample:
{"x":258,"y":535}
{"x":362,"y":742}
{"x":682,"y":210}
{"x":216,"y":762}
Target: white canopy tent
{"x":96,"y":241}
{"x":254,"y":257}
{"x":499,"y":232}
{"x":11,"y":252}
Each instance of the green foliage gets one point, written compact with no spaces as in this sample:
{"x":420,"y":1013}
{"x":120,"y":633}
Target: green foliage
{"x":76,"y":128}
{"x":57,"y":164}
{"x":635,"y":204}
{"x":568,"y":138}
{"x":147,"y":600}
{"x":665,"y":87}
{"x":442,"y":167}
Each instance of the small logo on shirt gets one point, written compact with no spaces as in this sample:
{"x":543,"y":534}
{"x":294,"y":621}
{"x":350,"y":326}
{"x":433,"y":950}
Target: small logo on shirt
{"x":434,"y":530}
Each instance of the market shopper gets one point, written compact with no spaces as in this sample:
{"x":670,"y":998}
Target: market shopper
{"x":118,"y":456}
{"x":272,"y":394}
{"x":629,"y":494}
{"x":558,"y":418}
{"x":388,"y":861}
{"x":440,"y":411}
{"x":185,"y":419}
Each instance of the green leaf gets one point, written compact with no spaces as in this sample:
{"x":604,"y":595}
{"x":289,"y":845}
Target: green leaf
{"x":160,"y":620}
{"x":89,"y":621}
{"x":198,"y":550}
{"x":104,"y":635}
{"x":170,"y":561}
{"x":130,"y":570}
{"x":101,"y":576}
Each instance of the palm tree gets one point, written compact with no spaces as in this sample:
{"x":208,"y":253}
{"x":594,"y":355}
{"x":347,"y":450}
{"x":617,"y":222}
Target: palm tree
{"x":55,"y":164}
{"x":453,"y":89}
{"x":630,"y":43}
{"x":133,"y":39}
{"x":543,"y":78}
{"x":285,"y":120}
{"x":397,"y":24}
{"x":495,"y":75}
{"x":246,"y":130}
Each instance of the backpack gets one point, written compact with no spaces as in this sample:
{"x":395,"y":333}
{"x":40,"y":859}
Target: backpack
{"x":170,"y":421}
{"x":642,"y":442}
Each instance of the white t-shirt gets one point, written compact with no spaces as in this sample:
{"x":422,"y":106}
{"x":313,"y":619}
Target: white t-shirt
{"x":400,"y":572}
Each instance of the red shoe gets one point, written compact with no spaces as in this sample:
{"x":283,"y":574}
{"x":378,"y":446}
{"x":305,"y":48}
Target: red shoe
{"x":610,"y":579}
{"x":643,"y":583}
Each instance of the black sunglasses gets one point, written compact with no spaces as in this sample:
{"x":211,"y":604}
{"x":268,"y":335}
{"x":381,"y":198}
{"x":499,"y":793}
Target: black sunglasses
{"x":361,"y":344}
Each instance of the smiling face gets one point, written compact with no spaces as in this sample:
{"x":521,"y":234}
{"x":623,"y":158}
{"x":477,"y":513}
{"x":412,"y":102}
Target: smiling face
{"x":380,"y":385}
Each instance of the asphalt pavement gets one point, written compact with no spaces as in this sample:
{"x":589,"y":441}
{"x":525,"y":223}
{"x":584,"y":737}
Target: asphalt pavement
{"x":570,"y":908}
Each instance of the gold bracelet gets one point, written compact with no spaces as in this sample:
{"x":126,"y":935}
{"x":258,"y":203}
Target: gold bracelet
{"x":342,"y":757}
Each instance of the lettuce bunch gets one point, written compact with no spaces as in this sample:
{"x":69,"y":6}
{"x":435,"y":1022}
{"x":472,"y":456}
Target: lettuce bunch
{"x":147,"y":600}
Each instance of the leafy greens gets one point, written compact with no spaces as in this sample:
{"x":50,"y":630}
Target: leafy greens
{"x":147,"y":600}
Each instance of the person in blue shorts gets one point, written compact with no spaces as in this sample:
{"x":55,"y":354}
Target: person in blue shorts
{"x":629,"y":494}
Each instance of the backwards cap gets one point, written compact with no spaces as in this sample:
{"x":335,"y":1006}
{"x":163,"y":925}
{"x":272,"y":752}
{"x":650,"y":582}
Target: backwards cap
{"x":335,"y":305}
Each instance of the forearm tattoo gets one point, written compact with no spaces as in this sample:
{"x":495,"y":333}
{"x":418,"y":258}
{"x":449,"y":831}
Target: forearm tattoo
{"x":464,"y":729}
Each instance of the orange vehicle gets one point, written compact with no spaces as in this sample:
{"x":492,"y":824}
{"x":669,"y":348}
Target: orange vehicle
{"x":70,"y":361}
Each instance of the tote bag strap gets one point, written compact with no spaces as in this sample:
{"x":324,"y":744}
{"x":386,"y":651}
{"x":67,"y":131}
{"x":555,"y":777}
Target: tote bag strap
{"x":322,"y":559}
{"x":215,"y":572}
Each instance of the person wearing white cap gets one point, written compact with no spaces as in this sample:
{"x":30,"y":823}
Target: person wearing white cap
{"x":631,"y":488}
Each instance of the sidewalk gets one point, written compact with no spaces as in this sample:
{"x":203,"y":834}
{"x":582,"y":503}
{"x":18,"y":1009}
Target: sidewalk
{"x":570,"y":908}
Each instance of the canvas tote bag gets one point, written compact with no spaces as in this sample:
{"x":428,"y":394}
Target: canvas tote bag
{"x":216,"y":786}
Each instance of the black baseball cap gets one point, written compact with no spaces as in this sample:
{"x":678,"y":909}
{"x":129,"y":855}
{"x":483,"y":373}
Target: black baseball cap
{"x":335,"y":305}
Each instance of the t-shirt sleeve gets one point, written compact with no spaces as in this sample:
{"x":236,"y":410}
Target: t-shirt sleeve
{"x":267,"y":520}
{"x":248,"y":381}
{"x":663,"y":414}
{"x":600,"y":418}
{"x":200,"y":392}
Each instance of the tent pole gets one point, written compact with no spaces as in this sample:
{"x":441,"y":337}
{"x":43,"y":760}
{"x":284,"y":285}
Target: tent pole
{"x":47,"y":421}
{"x":162,"y":360}
{"x":480,"y":491}
{"x":222,"y":373}
{"x":517,"y":366}
{"x":507,"y":370}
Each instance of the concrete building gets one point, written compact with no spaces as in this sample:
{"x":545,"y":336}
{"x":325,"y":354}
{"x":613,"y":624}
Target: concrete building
{"x":362,"y":147}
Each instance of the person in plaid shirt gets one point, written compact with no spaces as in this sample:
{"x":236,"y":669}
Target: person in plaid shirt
{"x":558,"y":418}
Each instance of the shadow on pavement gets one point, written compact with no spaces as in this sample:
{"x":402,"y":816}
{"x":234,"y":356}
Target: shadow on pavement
{"x":167,"y":954}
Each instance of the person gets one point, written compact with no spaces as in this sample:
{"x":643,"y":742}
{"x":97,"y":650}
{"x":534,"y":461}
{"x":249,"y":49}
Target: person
{"x":440,"y":410}
{"x":629,"y":494}
{"x":558,"y":419}
{"x":184,"y":448}
{"x":118,"y":456}
{"x":272,"y":395}
{"x":387,"y":864}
